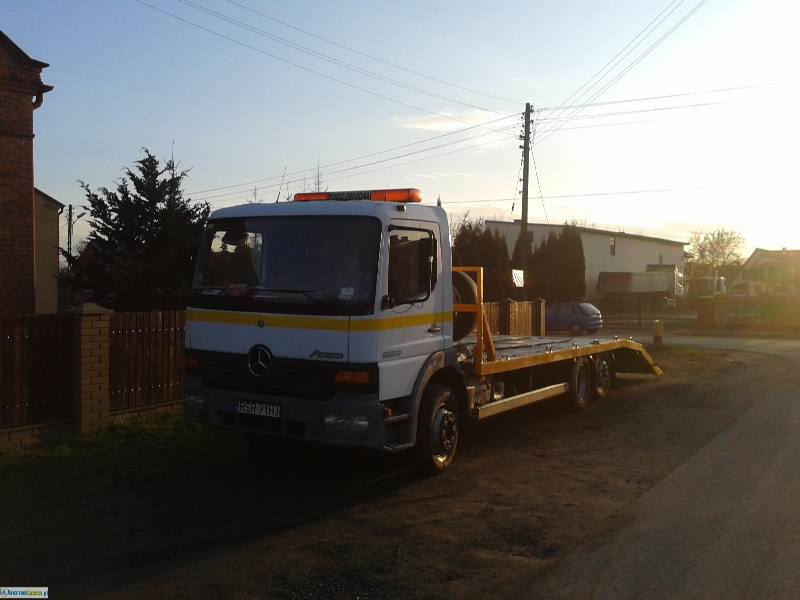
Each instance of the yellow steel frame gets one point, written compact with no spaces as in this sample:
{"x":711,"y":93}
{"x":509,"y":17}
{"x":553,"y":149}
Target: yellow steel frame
{"x":485,"y":343}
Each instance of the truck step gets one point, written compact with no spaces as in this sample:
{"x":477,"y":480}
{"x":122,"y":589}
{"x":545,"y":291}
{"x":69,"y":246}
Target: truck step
{"x":500,"y":406}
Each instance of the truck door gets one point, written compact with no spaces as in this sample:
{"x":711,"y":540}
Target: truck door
{"x":411,"y":318}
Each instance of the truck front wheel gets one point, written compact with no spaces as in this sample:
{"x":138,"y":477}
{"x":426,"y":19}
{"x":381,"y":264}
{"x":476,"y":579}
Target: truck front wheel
{"x":437,"y":430}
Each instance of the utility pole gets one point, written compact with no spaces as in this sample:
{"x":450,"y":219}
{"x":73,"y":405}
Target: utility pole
{"x":69,"y":230}
{"x":526,"y":152}
{"x":70,"y":224}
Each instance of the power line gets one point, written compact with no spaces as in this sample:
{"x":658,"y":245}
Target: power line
{"x":299,"y":66}
{"x":677,"y":95}
{"x":624,"y":49}
{"x":637,"y":122}
{"x":376,"y":162}
{"x":328,"y":165}
{"x":643,"y":110}
{"x":536,"y":173}
{"x":408,"y":162}
{"x":371,"y":57}
{"x":328,"y":58}
{"x":590,"y":194}
{"x":542,"y":130}
{"x":369,"y":155}
{"x":636,"y":61}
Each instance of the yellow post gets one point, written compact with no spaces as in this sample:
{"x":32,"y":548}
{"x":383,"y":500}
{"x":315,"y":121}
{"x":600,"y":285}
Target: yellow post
{"x":658,"y":331}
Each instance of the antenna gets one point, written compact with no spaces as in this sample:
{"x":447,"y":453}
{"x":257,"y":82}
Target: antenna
{"x":278,"y":196}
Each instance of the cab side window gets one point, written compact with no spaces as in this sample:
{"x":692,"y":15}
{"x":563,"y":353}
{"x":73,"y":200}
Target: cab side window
{"x":412,"y":264}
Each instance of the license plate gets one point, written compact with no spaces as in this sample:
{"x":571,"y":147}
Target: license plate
{"x":258,"y":409}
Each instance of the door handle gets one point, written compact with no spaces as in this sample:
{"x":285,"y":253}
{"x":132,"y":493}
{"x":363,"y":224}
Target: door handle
{"x":434,"y":329}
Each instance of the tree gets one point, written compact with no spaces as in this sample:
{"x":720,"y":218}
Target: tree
{"x":316,"y":184}
{"x":571,"y":266}
{"x":476,"y":246}
{"x":556,"y":269}
{"x":716,"y":250}
{"x":144,"y":237}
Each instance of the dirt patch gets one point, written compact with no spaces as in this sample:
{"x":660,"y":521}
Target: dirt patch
{"x":184,"y":512}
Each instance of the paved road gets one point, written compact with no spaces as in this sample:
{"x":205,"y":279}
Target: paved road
{"x":725,"y":524}
{"x":787,"y":347}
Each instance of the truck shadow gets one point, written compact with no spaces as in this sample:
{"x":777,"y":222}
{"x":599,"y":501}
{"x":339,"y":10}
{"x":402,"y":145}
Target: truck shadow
{"x":97,"y":521}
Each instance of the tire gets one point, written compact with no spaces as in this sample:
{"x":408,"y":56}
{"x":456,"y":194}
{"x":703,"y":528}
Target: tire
{"x":575,"y":329}
{"x":437,"y":430}
{"x":465,"y":291}
{"x":603,"y":374}
{"x":580,"y":384}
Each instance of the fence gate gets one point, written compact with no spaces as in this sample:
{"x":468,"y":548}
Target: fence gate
{"x":146,"y":358}
{"x":37,"y":366}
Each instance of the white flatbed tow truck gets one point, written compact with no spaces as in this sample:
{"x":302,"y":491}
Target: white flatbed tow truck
{"x":338,"y":318}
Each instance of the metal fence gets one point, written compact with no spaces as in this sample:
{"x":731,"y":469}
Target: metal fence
{"x":146,"y":358}
{"x":775,"y":312}
{"x":37,"y":369}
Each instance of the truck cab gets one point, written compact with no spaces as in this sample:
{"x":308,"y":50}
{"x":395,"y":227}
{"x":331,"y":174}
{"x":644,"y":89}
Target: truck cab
{"x":316,"y":318}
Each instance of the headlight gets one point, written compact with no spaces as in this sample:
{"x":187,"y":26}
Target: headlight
{"x":194,"y":401}
{"x":345,"y":422}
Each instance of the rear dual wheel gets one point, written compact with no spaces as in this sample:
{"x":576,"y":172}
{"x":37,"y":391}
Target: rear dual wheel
{"x":590,"y":379}
{"x":602,"y":374}
{"x":580,"y":384}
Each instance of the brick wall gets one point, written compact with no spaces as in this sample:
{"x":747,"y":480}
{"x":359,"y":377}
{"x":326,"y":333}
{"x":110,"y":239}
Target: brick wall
{"x":20,"y":83}
{"x":19,"y":438}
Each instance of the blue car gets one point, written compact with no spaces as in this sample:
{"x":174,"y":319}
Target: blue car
{"x":575,"y":317}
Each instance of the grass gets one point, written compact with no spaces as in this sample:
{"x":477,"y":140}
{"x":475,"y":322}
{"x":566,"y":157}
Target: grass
{"x":154,"y":445}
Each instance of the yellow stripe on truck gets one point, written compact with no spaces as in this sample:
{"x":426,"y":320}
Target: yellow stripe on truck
{"x":386,"y":323}
{"x":268,"y":320}
{"x":316,"y":323}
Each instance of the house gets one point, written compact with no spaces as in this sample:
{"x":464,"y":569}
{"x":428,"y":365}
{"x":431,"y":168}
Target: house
{"x":45,"y":233}
{"x":770,"y":272}
{"x":21,"y":92}
{"x":604,"y":250}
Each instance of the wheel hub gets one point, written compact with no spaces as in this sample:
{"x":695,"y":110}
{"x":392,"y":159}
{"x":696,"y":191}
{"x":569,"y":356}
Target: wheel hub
{"x":444,"y":431}
{"x":603,"y":372}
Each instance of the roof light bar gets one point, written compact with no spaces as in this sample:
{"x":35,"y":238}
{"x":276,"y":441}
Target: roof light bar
{"x":394,"y":195}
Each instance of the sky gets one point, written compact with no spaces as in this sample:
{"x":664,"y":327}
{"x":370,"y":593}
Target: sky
{"x":368,"y":77}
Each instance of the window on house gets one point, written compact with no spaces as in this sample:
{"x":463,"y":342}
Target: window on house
{"x":661,"y":259}
{"x":612,"y":245}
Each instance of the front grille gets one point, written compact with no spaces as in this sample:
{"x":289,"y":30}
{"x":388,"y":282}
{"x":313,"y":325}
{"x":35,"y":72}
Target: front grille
{"x":311,"y":379}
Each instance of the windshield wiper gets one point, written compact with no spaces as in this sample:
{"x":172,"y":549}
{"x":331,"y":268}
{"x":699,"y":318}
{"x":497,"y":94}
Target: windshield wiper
{"x":306,"y":293}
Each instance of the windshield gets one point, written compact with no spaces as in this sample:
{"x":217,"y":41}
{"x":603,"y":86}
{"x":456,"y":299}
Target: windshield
{"x":312,"y":265}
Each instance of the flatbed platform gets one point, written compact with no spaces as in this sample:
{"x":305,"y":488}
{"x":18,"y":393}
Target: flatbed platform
{"x":509,"y":352}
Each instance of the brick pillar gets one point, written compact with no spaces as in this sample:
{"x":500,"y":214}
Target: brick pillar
{"x":92,"y":393}
{"x":21,"y":90}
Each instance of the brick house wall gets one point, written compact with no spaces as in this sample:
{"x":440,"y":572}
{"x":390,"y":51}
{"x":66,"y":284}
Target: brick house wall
{"x":21,"y":91}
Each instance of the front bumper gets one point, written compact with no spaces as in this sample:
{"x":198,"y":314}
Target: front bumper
{"x":361,"y":422}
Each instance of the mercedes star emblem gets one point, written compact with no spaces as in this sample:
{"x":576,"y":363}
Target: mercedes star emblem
{"x":259,"y":360}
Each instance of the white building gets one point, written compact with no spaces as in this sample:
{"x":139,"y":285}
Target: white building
{"x":603,"y":250}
